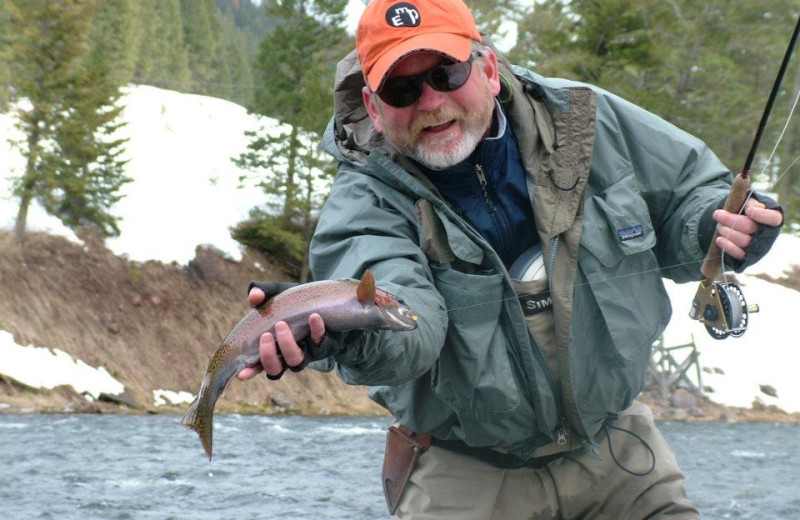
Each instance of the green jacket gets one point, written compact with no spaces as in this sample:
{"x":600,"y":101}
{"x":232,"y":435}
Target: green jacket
{"x":617,"y":195}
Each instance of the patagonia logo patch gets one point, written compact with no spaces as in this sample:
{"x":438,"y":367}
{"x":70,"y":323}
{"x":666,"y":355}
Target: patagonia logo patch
{"x":630,"y":233}
{"x":402,"y":14}
{"x":533,"y":304}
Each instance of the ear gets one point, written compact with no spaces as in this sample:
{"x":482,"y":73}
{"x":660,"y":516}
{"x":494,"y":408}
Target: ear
{"x":366,"y":289}
{"x":372,"y":109}
{"x":490,"y":69}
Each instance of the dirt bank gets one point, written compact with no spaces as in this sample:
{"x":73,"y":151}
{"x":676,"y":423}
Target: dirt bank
{"x":154,"y":326}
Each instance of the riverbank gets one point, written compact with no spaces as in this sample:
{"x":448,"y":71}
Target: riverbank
{"x":16,"y":398}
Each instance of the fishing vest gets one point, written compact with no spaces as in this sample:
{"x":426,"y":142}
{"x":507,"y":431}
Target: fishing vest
{"x":556,"y":150}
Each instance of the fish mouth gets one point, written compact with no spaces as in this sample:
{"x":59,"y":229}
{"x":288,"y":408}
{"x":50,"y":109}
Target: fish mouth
{"x":407,"y":320}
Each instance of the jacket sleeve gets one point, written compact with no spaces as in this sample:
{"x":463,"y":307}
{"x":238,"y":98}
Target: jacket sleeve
{"x":678,"y":176}
{"x":365,"y":225}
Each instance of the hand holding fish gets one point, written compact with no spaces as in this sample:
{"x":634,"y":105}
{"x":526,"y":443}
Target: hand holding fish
{"x":281,"y":348}
{"x":301,"y":311}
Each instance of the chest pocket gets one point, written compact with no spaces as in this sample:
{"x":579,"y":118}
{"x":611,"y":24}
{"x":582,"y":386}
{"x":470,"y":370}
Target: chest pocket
{"x":618,"y":260}
{"x":474,"y":373}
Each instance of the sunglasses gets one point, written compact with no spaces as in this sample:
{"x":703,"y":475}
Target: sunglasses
{"x":403,"y":91}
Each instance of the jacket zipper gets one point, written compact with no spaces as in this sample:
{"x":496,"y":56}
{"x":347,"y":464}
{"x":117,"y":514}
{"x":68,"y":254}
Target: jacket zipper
{"x":562,"y":432}
{"x":566,"y":407}
{"x":498,"y":217}
{"x":487,"y":200}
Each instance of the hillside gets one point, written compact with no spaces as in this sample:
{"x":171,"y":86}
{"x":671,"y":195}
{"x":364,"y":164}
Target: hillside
{"x":151,"y":325}
{"x":154,"y":326}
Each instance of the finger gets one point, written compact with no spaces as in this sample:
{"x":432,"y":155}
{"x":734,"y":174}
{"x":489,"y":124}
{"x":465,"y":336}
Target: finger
{"x":741,"y":223}
{"x":753,"y":203}
{"x":739,"y":239}
{"x":249,"y":372}
{"x":767,"y":217}
{"x":256,"y":296}
{"x":268,"y":351}
{"x":730,"y":249}
{"x":292,"y":353}
{"x":317,"y":327}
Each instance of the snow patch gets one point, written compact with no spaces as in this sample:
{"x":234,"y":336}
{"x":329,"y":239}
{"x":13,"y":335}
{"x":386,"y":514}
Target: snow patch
{"x":41,"y":367}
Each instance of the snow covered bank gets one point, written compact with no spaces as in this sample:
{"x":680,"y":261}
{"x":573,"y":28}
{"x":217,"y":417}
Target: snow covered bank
{"x":40,"y":367}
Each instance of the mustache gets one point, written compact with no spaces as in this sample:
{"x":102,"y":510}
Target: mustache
{"x":439,"y":117}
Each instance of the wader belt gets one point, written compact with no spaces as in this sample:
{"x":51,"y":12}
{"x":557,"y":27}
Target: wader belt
{"x":494,"y":457}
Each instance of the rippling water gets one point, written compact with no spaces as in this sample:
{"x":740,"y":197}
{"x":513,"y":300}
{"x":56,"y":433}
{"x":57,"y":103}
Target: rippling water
{"x":118,"y":467}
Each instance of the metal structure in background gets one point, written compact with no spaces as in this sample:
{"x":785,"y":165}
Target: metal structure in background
{"x":670,"y":367}
{"x":721,"y":305}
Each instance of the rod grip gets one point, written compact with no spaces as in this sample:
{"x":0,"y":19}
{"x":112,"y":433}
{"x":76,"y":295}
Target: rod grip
{"x":712,"y":265}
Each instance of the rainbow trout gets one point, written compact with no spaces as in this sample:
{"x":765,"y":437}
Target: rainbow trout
{"x":343,"y":305}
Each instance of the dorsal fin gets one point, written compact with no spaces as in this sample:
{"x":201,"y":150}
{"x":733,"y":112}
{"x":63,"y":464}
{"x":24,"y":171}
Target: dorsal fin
{"x":366,"y":289}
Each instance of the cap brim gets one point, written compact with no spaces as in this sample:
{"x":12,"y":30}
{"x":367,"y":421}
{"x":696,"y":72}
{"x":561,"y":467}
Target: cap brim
{"x":454,"y":46}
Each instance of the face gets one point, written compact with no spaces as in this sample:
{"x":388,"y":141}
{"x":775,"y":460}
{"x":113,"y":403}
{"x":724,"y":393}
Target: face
{"x":441,"y":128}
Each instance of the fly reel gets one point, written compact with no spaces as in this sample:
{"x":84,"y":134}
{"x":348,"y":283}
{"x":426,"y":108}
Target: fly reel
{"x":722,"y":308}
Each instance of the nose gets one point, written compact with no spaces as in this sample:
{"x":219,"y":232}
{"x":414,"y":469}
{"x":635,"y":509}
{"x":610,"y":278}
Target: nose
{"x":431,"y":99}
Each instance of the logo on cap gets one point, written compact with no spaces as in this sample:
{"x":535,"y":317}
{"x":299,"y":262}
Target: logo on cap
{"x":402,"y":14}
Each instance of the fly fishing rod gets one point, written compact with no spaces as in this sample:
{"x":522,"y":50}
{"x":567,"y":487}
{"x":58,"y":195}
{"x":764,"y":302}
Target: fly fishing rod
{"x":720,"y":304}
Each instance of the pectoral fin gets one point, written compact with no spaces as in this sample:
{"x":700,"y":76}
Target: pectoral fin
{"x":366,"y":289}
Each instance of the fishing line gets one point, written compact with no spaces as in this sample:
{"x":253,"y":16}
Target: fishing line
{"x":767,"y":164}
{"x":580,"y":285}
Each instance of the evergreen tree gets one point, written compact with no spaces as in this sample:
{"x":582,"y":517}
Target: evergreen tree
{"x":5,"y":57}
{"x":116,"y":33}
{"x":490,"y":15}
{"x":202,"y":42}
{"x":67,"y":115}
{"x":295,"y":70}
{"x":163,"y":57}
{"x":241,"y":74}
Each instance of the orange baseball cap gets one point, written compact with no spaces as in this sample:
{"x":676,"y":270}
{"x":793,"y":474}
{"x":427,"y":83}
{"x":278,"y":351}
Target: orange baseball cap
{"x":390,"y":30}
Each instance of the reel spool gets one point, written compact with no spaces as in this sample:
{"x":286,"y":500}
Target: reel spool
{"x":529,"y":266}
{"x":722,"y":308}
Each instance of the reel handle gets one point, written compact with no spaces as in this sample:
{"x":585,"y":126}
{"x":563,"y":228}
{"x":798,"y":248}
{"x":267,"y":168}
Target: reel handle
{"x":712,"y":265}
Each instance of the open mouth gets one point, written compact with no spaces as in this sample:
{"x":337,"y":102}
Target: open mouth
{"x":439,"y":128}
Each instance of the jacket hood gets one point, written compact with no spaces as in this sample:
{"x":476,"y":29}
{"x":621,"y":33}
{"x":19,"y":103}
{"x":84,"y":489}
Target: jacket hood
{"x":350,"y":134}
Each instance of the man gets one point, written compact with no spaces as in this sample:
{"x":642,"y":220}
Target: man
{"x":453,"y":164}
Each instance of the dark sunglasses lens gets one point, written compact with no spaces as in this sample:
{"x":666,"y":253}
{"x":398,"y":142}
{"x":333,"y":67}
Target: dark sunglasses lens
{"x":445,"y":78}
{"x":401,"y":91}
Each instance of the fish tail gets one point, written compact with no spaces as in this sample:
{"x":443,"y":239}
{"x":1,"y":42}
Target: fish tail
{"x":200,"y":418}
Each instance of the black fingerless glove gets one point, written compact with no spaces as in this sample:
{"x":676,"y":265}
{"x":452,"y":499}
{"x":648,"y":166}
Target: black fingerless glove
{"x":762,"y":240}
{"x":331,"y":344}
{"x":270,"y":288}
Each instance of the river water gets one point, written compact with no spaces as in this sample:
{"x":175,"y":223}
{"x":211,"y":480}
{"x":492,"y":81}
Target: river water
{"x":130,"y":467}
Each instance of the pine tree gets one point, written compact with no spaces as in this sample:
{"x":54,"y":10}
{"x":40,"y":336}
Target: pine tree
{"x":163,"y":55}
{"x":295,"y":70}
{"x":241,"y":74}
{"x":67,"y":112}
{"x":202,"y":41}
{"x":490,"y":15}
{"x":116,"y":33}
{"x":5,"y":53}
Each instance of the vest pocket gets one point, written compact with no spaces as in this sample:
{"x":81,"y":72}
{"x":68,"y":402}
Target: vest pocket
{"x":622,"y":270}
{"x":473,"y":374}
